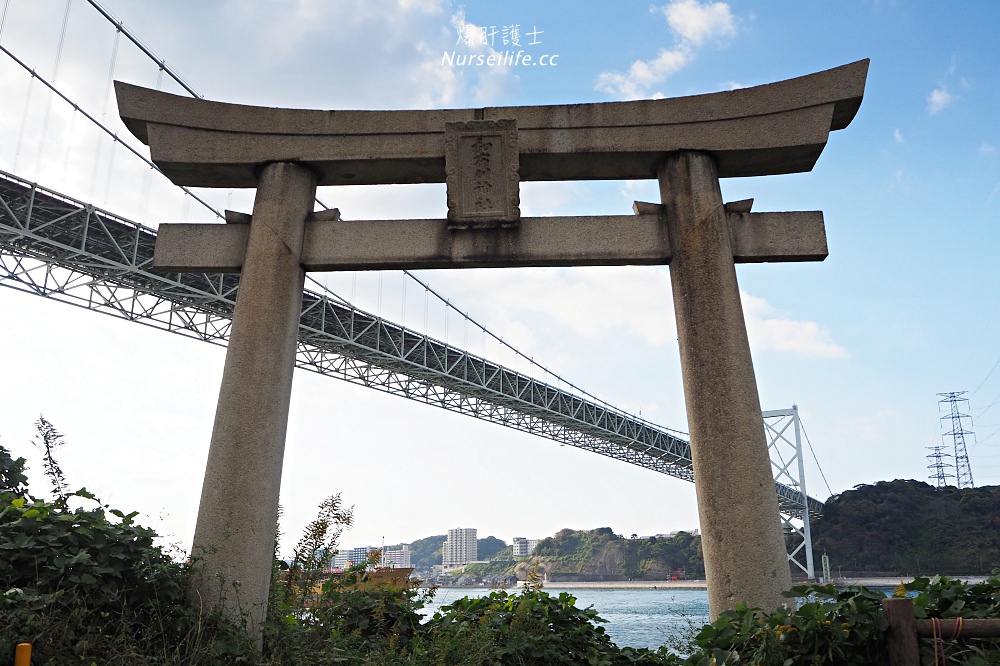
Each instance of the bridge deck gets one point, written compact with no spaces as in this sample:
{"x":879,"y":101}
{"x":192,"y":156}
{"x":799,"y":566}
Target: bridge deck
{"x":54,"y":246}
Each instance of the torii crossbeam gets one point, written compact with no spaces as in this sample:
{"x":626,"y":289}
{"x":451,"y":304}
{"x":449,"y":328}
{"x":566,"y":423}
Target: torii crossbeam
{"x":687,"y":144}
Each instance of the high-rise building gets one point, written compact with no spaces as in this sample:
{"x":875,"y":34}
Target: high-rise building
{"x":397,"y":558}
{"x":522,"y":547}
{"x":460,"y":547}
{"x":360,"y":555}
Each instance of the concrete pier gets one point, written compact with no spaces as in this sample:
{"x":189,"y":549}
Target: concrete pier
{"x":744,"y":550}
{"x":234,"y":536}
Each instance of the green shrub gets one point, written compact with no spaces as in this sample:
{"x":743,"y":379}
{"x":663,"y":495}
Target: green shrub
{"x":87,"y":585}
{"x":529,"y":628}
{"x":829,"y":627}
{"x":948,"y":598}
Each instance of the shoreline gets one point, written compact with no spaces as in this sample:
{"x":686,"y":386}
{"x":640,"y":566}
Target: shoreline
{"x":628,"y":585}
{"x":607,"y":585}
{"x":695,"y":584}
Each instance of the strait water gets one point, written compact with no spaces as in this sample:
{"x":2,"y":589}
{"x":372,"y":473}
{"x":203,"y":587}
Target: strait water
{"x":635,"y":617}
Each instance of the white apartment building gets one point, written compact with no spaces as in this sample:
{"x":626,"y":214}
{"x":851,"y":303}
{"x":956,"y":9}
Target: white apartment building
{"x":398,"y":558}
{"x":522,"y":547}
{"x":460,"y":547}
{"x":390,"y":558}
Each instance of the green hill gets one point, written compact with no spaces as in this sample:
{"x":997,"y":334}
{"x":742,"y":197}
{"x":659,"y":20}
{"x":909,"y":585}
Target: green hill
{"x":910,"y":528}
{"x":426,"y":552}
{"x":600,"y":554}
{"x":891,"y":528}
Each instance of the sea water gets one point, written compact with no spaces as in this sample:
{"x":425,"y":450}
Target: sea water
{"x":635,"y":617}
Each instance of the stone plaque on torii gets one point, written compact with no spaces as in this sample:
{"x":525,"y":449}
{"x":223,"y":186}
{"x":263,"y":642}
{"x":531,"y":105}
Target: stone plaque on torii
{"x":686,"y":143}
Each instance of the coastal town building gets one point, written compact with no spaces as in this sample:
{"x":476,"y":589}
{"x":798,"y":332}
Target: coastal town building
{"x":522,"y":547}
{"x":460,"y":547}
{"x":398,"y":558}
{"x":671,"y":535}
{"x":360,"y":555}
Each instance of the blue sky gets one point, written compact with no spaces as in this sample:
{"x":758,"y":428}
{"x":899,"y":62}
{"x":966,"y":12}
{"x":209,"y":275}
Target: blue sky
{"x":905,"y":307}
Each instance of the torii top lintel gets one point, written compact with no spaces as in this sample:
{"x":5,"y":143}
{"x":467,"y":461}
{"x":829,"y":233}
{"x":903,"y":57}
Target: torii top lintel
{"x":770,"y":129}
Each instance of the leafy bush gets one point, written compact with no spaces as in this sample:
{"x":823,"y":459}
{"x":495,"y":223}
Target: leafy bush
{"x":84,"y":587}
{"x":948,"y":598}
{"x":88,"y":586}
{"x":530,"y":628}
{"x":830,"y":627}
{"x":847,"y":626}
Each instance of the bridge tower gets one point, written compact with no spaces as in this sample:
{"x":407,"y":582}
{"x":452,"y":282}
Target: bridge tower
{"x":784,"y":442}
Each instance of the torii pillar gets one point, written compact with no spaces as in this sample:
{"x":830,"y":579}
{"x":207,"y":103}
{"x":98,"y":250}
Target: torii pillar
{"x":741,"y":536}
{"x":483,"y":154}
{"x":234,"y":537}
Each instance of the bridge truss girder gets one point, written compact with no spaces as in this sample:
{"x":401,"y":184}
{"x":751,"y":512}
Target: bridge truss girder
{"x":54,"y":246}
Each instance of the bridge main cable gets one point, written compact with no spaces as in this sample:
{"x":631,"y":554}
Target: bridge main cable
{"x":55,"y":246}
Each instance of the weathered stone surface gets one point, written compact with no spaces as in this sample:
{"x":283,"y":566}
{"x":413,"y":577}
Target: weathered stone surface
{"x":481,"y":173}
{"x":745,"y":559}
{"x":766,"y":237}
{"x":239,"y":499}
{"x":776,"y":128}
{"x":687,"y":143}
{"x":609,"y":240}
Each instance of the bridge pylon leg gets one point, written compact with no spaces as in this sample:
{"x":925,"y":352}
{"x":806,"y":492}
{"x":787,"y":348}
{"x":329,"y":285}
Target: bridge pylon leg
{"x":744,"y":548}
{"x":234,"y":536}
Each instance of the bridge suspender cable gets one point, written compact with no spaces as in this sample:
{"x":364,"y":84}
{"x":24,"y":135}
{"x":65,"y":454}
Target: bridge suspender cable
{"x":145,"y":49}
{"x":101,"y":125}
{"x":55,"y":75}
{"x":176,"y":77}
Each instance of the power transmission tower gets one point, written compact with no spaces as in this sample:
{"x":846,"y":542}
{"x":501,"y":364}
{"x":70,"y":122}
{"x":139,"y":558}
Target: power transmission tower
{"x":963,"y":471}
{"x":938,"y":474}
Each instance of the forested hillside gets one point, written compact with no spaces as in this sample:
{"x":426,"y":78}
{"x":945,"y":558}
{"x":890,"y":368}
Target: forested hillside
{"x":602,"y":554}
{"x":891,"y":528}
{"x":426,"y":552}
{"x":910,"y":528}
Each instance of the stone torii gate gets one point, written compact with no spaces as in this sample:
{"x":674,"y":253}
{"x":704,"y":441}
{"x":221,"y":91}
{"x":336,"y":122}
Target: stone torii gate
{"x":686,"y":143}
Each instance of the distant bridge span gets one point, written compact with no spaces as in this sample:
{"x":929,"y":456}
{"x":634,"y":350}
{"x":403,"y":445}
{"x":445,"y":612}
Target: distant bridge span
{"x":55,"y":246}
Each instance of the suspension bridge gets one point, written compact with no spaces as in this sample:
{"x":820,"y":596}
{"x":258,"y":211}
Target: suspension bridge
{"x":59,"y":247}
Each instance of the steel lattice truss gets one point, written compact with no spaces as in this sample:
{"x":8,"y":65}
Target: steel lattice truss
{"x":54,"y":246}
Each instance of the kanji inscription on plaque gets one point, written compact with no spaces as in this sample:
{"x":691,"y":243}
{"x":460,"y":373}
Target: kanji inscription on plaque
{"x":481,"y":163}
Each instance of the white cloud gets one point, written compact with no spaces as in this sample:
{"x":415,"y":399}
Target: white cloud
{"x":768,"y":332}
{"x":897,"y":135}
{"x":426,"y":6}
{"x":987,"y":149}
{"x":592,"y":302}
{"x":938,"y":100}
{"x":490,"y":81}
{"x":640,"y":190}
{"x":953,"y":67}
{"x":630,"y":303}
{"x":695,"y":22}
{"x":643,"y":74}
{"x":692,"y":23}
